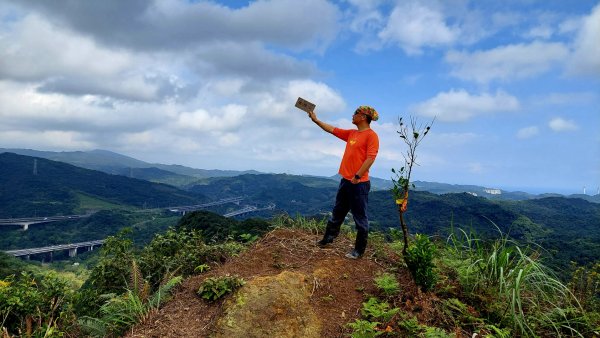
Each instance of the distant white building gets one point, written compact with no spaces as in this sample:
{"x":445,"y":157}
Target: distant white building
{"x":493,"y":191}
{"x":471,"y":193}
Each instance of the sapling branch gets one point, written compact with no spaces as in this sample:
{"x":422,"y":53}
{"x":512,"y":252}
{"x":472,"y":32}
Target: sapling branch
{"x":411,"y":135}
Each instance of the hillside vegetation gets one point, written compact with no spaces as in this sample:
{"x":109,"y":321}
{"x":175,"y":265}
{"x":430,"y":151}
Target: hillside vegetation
{"x":268,"y":279}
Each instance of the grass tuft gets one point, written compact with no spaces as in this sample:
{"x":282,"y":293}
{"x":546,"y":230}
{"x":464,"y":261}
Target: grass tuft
{"x":513,"y":285}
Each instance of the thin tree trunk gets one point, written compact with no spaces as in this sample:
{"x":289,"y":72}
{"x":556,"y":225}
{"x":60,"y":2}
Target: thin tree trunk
{"x":404,"y":229}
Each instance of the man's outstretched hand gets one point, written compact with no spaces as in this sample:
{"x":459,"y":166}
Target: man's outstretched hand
{"x":327,"y":127}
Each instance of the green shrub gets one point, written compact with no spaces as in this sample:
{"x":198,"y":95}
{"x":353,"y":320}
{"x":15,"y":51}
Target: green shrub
{"x":364,"y":329}
{"x":38,"y":302}
{"x":181,"y":252}
{"x":387,"y":283}
{"x":373,"y":309}
{"x":110,"y":275}
{"x":216,"y":287}
{"x":585,"y":285}
{"x":419,"y":259}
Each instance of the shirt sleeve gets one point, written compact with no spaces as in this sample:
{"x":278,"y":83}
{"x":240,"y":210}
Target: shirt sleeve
{"x":343,"y":134}
{"x":373,"y":146}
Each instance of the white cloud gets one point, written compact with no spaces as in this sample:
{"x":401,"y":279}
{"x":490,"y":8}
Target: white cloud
{"x":507,"y":63}
{"x":586,"y":55}
{"x":570,"y":25}
{"x":540,"y":32}
{"x":573,"y":98}
{"x":34,"y":49}
{"x":61,"y":60}
{"x":506,"y":19}
{"x":177,"y":25}
{"x":225,"y":119}
{"x":560,"y":125}
{"x":413,"y":26}
{"x":326,"y":98}
{"x":459,"y":105}
{"x":261,"y":124}
{"x":528,"y":132}
{"x":249,"y":60}
{"x":59,"y":140}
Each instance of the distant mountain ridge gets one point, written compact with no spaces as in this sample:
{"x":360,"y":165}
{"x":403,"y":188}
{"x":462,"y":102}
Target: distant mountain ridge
{"x":32,"y":185}
{"x":117,"y":164}
{"x":185,"y":177}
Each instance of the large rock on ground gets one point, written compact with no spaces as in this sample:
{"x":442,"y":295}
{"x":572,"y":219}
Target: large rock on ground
{"x":271,"y":306}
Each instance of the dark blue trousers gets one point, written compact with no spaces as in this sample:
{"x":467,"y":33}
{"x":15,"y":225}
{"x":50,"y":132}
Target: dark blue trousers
{"x":351,"y":197}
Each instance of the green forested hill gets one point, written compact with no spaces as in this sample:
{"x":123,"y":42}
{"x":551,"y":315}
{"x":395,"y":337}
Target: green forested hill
{"x":564,"y":229}
{"x":58,"y":188}
{"x":431,"y":213}
{"x":292,"y":194}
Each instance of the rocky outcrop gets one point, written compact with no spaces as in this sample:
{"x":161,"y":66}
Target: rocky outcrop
{"x":271,"y":306}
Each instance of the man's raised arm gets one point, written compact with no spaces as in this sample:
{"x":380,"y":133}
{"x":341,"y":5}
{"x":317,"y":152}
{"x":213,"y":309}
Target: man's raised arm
{"x":327,"y":127}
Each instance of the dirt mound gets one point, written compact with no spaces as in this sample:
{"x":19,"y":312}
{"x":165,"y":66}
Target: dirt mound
{"x":298,"y":290}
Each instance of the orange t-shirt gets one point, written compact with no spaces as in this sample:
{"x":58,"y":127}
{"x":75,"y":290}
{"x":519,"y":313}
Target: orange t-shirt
{"x":360,"y":145}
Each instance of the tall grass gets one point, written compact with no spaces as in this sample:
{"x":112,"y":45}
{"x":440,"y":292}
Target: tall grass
{"x":515,"y":286}
{"x":312,"y":225}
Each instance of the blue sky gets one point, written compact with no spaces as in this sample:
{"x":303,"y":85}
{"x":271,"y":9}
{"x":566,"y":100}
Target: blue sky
{"x":514,"y":85}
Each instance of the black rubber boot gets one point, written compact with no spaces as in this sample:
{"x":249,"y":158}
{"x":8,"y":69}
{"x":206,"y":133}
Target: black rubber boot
{"x":326,"y":240}
{"x":353,"y":254}
{"x":361,"y":241}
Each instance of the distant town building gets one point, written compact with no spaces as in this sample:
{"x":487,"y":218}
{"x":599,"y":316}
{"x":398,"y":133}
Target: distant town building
{"x":471,"y":193}
{"x":493,"y":191}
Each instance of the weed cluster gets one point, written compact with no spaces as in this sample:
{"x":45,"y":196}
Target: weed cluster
{"x":419,"y":259}
{"x":216,"y":287}
{"x":387,"y":284}
{"x":381,"y":318}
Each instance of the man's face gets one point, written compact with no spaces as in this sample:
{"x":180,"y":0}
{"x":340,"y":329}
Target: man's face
{"x":357,"y":117}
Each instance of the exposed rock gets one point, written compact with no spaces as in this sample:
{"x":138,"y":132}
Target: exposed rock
{"x":271,"y":306}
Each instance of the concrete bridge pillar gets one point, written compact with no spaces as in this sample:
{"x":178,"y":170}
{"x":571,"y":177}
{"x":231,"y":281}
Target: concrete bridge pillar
{"x":73,"y":252}
{"x":25,"y":226}
{"x":27,"y":257}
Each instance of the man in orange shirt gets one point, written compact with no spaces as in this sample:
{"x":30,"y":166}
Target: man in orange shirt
{"x":362,"y":146}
